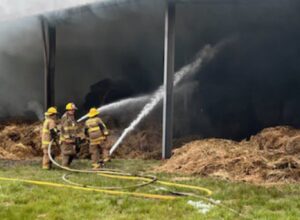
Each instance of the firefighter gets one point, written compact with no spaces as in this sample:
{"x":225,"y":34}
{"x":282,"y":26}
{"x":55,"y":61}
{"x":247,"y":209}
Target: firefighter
{"x":96,"y":131}
{"x":49,"y":133}
{"x":68,"y":135}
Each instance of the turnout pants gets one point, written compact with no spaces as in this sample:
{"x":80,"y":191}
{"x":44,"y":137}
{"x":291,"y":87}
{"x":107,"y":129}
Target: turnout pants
{"x":68,"y":153}
{"x":46,"y":160}
{"x":96,"y":153}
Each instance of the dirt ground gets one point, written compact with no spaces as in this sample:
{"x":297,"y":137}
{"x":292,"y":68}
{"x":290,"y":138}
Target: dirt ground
{"x":271,"y":156}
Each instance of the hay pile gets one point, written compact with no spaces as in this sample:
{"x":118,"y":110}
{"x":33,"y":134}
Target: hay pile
{"x":145,"y":144}
{"x":272,"y":156}
{"x":19,"y":140}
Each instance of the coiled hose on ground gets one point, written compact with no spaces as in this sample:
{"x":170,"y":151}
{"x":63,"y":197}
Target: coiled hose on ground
{"x":118,"y":174}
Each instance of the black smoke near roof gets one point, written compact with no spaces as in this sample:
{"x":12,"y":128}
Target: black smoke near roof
{"x":253,"y":83}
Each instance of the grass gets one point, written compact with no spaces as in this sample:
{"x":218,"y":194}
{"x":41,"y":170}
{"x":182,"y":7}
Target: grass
{"x":25,"y":201}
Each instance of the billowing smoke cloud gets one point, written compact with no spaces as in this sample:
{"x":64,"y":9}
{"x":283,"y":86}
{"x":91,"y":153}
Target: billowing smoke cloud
{"x":21,"y":66}
{"x":18,"y":9}
{"x":251,"y":84}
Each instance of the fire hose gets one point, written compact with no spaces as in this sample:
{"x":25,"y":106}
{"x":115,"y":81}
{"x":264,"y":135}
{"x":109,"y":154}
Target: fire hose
{"x":111,"y":173}
{"x":118,"y":174}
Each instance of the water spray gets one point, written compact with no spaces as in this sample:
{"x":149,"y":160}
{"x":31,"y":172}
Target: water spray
{"x":119,"y":104}
{"x":205,"y":54}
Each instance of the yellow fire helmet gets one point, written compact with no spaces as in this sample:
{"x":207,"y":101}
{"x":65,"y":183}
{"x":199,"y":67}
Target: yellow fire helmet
{"x":93,"y":112}
{"x":71,"y":106}
{"x":51,"y":111}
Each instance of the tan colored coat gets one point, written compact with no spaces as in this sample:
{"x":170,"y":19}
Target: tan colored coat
{"x":95,"y":133}
{"x":68,"y":129}
{"x":48,"y":125}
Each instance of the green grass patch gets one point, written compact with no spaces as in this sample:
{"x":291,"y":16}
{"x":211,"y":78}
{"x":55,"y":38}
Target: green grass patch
{"x":26,"y":201}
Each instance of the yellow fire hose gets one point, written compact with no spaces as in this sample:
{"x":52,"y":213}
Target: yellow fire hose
{"x":207,"y":191}
{"x":110,"y":190}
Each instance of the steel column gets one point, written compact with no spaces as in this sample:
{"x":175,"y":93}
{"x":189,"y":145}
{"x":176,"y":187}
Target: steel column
{"x":49,"y":46}
{"x":168,"y":80}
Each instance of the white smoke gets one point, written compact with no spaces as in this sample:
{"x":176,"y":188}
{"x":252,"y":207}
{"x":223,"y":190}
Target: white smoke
{"x":16,"y":9}
{"x":37,"y":108}
{"x":21,"y":62}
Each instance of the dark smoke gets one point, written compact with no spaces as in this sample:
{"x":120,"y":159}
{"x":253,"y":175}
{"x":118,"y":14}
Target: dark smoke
{"x":253,"y":83}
